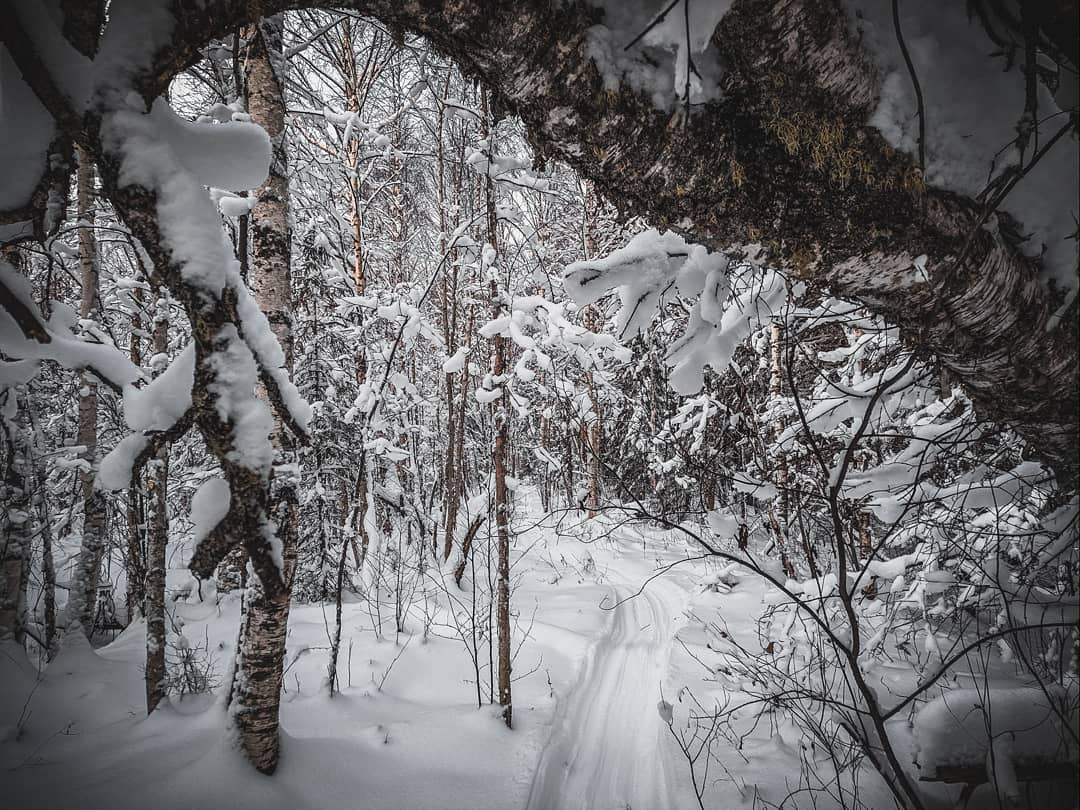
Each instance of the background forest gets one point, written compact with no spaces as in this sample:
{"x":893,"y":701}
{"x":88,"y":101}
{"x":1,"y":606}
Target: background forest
{"x":472,"y":423}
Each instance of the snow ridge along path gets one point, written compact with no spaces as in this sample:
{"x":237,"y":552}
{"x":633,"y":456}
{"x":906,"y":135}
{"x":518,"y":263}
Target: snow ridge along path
{"x":608,"y":746}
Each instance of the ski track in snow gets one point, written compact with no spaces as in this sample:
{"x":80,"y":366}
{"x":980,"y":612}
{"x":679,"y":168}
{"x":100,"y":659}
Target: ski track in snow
{"x":607,"y":749}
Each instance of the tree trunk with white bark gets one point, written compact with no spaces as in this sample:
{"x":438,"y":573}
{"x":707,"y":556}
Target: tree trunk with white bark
{"x":257,"y":691}
{"x":157,"y":537}
{"x":84,"y":584}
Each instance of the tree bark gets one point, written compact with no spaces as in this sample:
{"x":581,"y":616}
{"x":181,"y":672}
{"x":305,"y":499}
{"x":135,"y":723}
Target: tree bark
{"x":231,"y":573}
{"x":15,"y":523}
{"x":779,"y":518}
{"x":593,"y":324}
{"x":157,"y":537}
{"x":135,"y":563}
{"x":84,"y":584}
{"x":502,"y":425}
{"x":256,"y":697}
{"x":48,"y":565}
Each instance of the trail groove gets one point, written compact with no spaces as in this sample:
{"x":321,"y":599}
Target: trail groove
{"x":606,"y":751}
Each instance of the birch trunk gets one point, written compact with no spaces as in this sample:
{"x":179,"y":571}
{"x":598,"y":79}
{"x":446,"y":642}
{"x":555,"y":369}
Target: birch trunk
{"x":501,"y":414}
{"x":157,"y":536}
{"x":84,"y":583}
{"x":257,"y":690}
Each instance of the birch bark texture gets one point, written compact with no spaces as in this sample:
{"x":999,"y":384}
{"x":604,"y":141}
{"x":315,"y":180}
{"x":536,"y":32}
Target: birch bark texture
{"x":261,"y":659}
{"x":157,"y":537}
{"x":84,"y":582}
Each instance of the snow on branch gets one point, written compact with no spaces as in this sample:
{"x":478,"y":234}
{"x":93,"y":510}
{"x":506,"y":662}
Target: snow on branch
{"x":158,"y":413}
{"x":731,"y":301}
{"x":26,"y":335}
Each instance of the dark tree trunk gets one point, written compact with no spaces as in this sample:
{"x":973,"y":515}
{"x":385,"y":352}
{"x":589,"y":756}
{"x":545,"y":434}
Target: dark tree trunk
{"x":499,"y":453}
{"x":15,"y":522}
{"x":135,"y":564}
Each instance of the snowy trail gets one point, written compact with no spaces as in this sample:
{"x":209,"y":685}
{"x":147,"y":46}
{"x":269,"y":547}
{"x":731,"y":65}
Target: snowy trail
{"x":607,"y":750}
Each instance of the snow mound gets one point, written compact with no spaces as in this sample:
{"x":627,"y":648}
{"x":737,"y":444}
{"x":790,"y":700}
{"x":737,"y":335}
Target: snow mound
{"x":997,"y":730}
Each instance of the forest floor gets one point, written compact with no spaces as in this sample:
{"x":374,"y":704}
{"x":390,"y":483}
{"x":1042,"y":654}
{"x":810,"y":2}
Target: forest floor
{"x":611,"y":621}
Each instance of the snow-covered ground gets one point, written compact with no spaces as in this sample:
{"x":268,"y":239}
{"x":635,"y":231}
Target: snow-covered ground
{"x":617,"y":625}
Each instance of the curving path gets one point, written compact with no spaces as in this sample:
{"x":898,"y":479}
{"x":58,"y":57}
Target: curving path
{"x":607,"y":750}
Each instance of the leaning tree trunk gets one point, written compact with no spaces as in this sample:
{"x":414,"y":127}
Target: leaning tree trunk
{"x":785,"y":158}
{"x":257,"y":692}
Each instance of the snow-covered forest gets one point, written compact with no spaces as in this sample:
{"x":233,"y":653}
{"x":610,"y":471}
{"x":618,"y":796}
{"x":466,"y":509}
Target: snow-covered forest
{"x":586,"y":404}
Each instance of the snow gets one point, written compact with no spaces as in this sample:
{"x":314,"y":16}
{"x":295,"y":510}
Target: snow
{"x":232,"y":205}
{"x":406,"y":721}
{"x":629,"y":637}
{"x":63,"y":347}
{"x":972,"y":108}
{"x":160,"y":152}
{"x":134,"y":32}
{"x":658,"y":63}
{"x":161,"y":403}
{"x":235,"y":377}
{"x":456,"y":362}
{"x":114,"y":471}
{"x":154,"y":407}
{"x":26,"y":129}
{"x":17,"y":372}
{"x":712,"y":343}
{"x":209,"y":505}
{"x":644,"y":271}
{"x":731,"y":302}
{"x":607,"y":751}
{"x":262,"y":342}
{"x":485,"y":396}
{"x":177,"y":160}
{"x":997,"y":729}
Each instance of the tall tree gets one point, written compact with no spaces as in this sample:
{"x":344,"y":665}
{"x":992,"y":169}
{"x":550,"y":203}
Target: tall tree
{"x":84,"y":585}
{"x":135,"y":561}
{"x":595,"y":426}
{"x":266,"y":613}
{"x":502,"y":431}
{"x":156,"y":529}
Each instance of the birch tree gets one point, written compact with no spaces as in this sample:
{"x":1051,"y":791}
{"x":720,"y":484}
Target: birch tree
{"x":261,"y":658}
